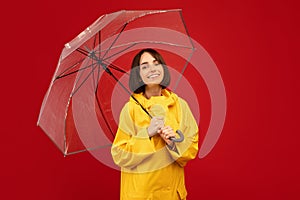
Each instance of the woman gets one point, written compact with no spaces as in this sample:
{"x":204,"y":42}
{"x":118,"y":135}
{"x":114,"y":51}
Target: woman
{"x":152,"y":164}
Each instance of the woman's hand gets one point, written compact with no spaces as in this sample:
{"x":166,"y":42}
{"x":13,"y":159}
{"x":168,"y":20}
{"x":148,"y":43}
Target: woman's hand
{"x":166,"y":133}
{"x":156,"y":124}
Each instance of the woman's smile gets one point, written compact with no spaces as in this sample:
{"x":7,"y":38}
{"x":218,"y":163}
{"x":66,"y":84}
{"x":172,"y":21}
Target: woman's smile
{"x":153,"y":76}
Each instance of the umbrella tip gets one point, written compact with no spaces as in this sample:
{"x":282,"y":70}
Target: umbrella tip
{"x":68,"y":46}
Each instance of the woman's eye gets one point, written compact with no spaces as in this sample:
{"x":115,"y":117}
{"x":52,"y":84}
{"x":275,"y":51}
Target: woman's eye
{"x":144,"y":66}
{"x":156,"y":63}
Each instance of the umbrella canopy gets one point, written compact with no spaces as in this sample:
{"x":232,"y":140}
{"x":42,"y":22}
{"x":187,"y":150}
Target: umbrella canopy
{"x":90,"y":84}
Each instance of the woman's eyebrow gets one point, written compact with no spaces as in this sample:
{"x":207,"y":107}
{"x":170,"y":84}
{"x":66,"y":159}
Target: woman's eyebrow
{"x":144,"y":63}
{"x":148,"y":62}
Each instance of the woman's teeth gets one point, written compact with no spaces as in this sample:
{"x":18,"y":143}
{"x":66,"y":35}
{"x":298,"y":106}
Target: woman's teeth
{"x":153,"y":75}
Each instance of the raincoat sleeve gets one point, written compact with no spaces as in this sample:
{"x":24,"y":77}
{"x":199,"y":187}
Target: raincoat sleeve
{"x":131,"y":145}
{"x":187,"y":149}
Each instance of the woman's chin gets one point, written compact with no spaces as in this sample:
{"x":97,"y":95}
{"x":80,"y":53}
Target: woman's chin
{"x":152,"y":84}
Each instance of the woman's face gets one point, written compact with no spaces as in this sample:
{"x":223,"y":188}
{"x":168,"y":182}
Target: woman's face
{"x":151,"y":71}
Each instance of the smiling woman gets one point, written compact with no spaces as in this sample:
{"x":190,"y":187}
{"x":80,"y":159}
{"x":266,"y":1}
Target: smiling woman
{"x":148,"y":69}
{"x":151,"y":71}
{"x":152,"y":164}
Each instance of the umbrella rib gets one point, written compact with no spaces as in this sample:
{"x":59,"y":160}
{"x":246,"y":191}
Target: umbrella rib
{"x":69,"y":68}
{"x":186,"y":30}
{"x":98,"y":78}
{"x":99,"y":46}
{"x":95,"y":39}
{"x":113,"y":66}
{"x":93,"y":74}
{"x":183,"y":70}
{"x":78,"y":70}
{"x":151,"y":42}
{"x":190,"y":57}
{"x":135,"y":43}
{"x":84,"y":52}
{"x":148,"y":41}
{"x":115,"y":40}
{"x":85,"y":79}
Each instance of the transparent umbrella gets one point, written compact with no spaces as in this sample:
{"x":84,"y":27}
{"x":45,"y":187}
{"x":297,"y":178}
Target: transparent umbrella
{"x":80,"y":109}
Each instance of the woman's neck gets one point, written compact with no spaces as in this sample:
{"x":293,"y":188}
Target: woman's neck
{"x":152,"y":91}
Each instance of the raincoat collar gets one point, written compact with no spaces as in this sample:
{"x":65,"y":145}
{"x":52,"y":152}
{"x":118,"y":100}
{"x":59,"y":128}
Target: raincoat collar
{"x":167,"y":98}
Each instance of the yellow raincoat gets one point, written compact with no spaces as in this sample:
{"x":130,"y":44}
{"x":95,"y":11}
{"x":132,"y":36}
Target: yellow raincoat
{"x":150,"y":170}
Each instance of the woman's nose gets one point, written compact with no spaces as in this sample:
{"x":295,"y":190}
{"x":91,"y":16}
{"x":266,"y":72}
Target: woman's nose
{"x":152,"y":68}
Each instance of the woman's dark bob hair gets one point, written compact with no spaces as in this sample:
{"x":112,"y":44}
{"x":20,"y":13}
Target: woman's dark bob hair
{"x":135,"y":81}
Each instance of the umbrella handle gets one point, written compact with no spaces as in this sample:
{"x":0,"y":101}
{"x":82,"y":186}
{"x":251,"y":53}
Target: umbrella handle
{"x":178,"y":139}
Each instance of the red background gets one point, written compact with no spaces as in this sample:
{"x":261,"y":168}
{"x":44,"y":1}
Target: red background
{"x":254,"y":44}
